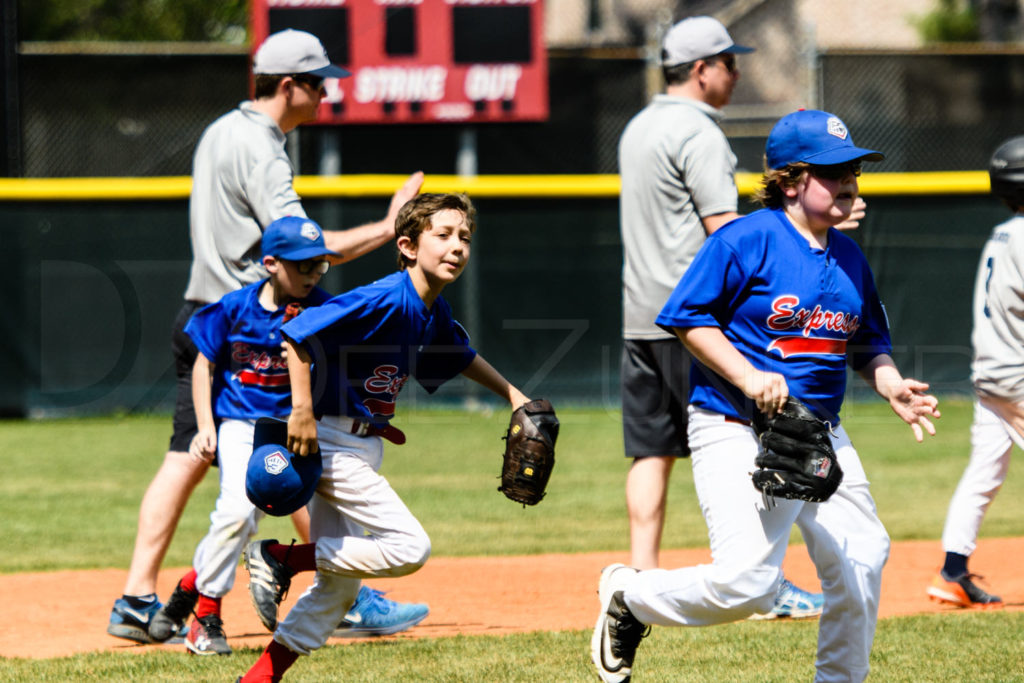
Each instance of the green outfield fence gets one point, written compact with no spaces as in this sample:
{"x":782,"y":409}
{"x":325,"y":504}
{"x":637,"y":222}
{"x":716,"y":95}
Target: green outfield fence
{"x":96,"y":268}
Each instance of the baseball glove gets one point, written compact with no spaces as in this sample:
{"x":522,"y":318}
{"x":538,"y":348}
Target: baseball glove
{"x":796,"y":459}
{"x":529,"y":452}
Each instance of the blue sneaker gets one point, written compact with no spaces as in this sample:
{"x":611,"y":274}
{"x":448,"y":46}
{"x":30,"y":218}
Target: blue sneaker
{"x":374,"y":615}
{"x":132,"y":624}
{"x":794,"y":603}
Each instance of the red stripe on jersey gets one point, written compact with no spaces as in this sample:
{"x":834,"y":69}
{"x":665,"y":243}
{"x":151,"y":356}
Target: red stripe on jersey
{"x":255,"y":379}
{"x":808,"y":346}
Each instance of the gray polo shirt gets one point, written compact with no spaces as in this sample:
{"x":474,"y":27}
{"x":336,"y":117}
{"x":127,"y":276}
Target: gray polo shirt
{"x":676,"y":166}
{"x":998,"y":336}
{"x":241,"y":182}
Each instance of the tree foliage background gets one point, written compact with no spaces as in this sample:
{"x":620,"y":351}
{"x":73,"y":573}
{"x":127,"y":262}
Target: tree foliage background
{"x":133,"y":20}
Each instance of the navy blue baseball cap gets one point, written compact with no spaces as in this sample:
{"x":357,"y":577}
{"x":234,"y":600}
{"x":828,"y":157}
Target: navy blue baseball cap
{"x":813,"y":137}
{"x":279,"y":482}
{"x":295,"y":239}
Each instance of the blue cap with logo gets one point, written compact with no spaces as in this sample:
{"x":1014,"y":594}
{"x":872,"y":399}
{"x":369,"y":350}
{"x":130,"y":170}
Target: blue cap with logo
{"x":294,"y":238}
{"x":813,"y":137}
{"x":277,"y":481}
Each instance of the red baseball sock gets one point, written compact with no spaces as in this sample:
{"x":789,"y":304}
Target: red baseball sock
{"x":188,"y":582}
{"x":301,"y":558}
{"x":207,"y":605}
{"x":271,"y":665}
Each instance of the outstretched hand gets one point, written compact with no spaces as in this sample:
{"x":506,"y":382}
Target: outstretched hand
{"x":409,"y":189}
{"x":915,"y":407}
{"x":859,"y":210}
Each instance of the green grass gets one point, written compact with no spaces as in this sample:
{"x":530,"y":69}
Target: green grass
{"x":70,"y":490}
{"x":69,"y":498}
{"x":922,"y":649}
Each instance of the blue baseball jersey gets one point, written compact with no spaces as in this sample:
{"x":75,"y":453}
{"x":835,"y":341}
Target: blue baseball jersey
{"x":788,"y":307}
{"x":365,"y":344}
{"x":243,"y":340}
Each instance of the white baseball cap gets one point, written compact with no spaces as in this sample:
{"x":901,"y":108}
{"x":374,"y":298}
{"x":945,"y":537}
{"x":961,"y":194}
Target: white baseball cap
{"x":295,"y":52}
{"x":697,"y":38}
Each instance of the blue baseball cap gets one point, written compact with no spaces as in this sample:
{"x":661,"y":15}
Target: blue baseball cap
{"x":813,"y":137}
{"x":278,"y":482}
{"x":295,"y":239}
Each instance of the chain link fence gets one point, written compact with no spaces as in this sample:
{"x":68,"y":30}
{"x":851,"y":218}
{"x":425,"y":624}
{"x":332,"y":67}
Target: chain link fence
{"x":138,"y":110}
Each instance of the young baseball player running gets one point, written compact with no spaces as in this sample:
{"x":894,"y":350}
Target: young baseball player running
{"x":998,"y":377}
{"x":775,"y":303}
{"x":241,"y":182}
{"x":362,"y":347}
{"x":240,"y":374}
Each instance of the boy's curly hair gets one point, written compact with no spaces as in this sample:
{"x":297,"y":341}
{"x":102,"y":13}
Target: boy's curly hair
{"x":415,"y":215}
{"x":776,"y":181}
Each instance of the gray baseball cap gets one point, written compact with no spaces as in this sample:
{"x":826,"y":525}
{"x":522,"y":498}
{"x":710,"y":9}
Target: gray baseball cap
{"x":697,"y":38}
{"x":295,"y":52}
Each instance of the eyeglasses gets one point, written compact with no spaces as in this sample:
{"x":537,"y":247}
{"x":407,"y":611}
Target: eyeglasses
{"x":314,"y":82}
{"x":726,"y":59}
{"x":836,"y":171}
{"x":312,"y":266}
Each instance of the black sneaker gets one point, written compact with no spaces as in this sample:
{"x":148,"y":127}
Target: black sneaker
{"x":172,"y":616}
{"x":962,"y":592}
{"x":269,"y":581}
{"x":617,"y":633}
{"x":206,"y":637}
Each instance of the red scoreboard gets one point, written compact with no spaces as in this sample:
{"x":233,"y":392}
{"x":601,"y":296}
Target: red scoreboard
{"x":423,"y":61}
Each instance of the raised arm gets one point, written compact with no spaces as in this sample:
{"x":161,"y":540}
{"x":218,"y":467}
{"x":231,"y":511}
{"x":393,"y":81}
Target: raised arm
{"x":484,"y":374}
{"x":711,"y":347}
{"x":905,"y":395}
{"x":204,"y":443}
{"x":355,"y":242}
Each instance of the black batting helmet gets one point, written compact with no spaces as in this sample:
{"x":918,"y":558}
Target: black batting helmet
{"x":1006,"y":171}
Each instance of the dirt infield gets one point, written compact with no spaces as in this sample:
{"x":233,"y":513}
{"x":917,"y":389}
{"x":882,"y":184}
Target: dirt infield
{"x":62,"y":613}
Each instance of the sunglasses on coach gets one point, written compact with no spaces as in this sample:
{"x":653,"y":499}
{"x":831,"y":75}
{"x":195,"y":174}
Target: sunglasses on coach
{"x":314,"y":82}
{"x":836,"y":171}
{"x":726,"y":59}
{"x":312,"y":265}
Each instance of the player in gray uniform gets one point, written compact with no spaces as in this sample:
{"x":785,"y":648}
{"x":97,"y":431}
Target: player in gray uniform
{"x":998,"y":376}
{"x":242,"y":181}
{"x":678,"y":186}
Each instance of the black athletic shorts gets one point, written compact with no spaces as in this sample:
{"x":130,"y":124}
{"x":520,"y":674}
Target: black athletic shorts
{"x":655,"y":378}
{"x":185,"y":354}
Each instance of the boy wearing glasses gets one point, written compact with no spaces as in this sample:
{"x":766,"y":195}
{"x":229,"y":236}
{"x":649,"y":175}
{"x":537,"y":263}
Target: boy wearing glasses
{"x":678,"y":187}
{"x":777,"y":303}
{"x":241,"y":183}
{"x":240,"y":374}
{"x":349,"y":360}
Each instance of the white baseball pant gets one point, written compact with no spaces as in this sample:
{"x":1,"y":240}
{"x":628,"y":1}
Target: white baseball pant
{"x":234,"y":519}
{"x":845,"y":539}
{"x":998,"y":424}
{"x":361,"y":528}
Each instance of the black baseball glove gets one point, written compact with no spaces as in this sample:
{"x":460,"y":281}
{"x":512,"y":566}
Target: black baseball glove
{"x":529,"y":452}
{"x":796,"y":459}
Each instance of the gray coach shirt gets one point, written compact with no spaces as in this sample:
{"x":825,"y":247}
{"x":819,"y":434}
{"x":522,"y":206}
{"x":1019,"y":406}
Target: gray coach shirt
{"x":675,"y":166}
{"x":998,"y":336}
{"x":241,"y":182}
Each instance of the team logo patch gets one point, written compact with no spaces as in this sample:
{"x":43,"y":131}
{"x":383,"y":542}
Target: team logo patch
{"x":275,"y":463}
{"x":822,"y":467}
{"x":310,"y":232}
{"x":836,"y":128}
{"x":516,"y":429}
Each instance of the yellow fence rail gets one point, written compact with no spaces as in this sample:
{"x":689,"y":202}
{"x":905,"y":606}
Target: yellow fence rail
{"x":506,"y":186}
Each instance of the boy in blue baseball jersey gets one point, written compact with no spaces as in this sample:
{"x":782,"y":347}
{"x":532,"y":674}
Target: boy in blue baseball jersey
{"x":241,"y":374}
{"x":348,"y":360}
{"x":776,"y":303}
